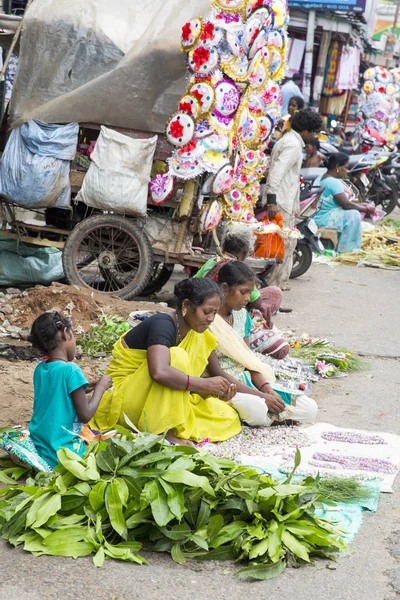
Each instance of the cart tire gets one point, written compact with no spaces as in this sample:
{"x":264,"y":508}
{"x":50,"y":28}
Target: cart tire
{"x":162,"y":273}
{"x":109,"y":254}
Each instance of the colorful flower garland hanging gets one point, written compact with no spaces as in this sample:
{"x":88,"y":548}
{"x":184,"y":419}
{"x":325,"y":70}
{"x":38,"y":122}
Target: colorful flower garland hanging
{"x":236,"y":57}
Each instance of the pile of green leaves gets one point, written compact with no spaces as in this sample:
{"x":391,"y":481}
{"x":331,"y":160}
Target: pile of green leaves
{"x":103,"y":336}
{"x":129,"y":490}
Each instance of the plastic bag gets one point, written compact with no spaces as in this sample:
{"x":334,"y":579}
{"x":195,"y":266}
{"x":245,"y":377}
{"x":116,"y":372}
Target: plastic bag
{"x":34,"y":169}
{"x":20,"y":264}
{"x":119,"y":175}
{"x":21,"y":449}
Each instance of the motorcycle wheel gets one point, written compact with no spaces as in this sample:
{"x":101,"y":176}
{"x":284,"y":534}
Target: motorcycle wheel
{"x":386,"y":202}
{"x":162,"y":273}
{"x":302,"y":259}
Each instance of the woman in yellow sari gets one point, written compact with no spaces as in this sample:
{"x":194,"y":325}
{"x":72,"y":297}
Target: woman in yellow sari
{"x":156,"y":373}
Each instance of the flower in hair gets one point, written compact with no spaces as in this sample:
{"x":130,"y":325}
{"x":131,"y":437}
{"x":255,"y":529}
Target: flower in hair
{"x":216,"y":277}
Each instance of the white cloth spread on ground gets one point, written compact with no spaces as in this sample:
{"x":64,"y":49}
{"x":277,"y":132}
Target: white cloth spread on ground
{"x":276,"y":456}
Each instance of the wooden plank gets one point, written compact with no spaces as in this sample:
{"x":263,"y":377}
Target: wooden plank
{"x":45,"y":228}
{"x":26,"y":239}
{"x":76,"y":178}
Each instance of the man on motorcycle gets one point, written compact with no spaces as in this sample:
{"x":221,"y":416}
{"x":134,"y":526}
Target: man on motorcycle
{"x":282,"y":190}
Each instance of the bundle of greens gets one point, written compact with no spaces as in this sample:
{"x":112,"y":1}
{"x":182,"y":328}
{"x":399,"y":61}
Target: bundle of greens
{"x":131,"y":490}
{"x":326,"y":359}
{"x":347,"y":490}
{"x":103,"y":336}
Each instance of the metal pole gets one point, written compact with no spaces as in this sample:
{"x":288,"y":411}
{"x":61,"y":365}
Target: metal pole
{"x":308,"y":59}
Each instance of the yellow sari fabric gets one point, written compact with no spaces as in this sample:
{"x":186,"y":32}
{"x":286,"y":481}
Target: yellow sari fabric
{"x":156,"y":408}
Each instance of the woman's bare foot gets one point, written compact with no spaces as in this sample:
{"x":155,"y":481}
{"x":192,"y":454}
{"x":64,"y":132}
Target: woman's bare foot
{"x":286,"y":423}
{"x":178,"y":441}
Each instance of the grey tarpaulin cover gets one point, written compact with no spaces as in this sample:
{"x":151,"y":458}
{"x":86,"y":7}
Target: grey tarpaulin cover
{"x":115,"y":62}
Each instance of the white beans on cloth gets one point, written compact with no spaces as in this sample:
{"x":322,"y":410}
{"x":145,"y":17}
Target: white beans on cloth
{"x":253,"y":410}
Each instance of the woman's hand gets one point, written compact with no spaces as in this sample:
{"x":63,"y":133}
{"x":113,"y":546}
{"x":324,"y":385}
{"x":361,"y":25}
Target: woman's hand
{"x":216,"y":386}
{"x":231,"y":393}
{"x":274,"y":403}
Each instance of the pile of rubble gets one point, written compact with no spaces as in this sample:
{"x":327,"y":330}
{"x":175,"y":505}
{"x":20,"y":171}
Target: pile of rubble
{"x":18,"y":309}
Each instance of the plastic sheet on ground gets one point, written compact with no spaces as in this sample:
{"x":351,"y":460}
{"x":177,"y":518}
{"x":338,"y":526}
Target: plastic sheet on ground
{"x":20,"y":264}
{"x":116,"y":63}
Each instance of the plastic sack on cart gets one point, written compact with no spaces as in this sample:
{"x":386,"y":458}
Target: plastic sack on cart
{"x":20,"y":264}
{"x":35,"y":166}
{"x":118,"y":178}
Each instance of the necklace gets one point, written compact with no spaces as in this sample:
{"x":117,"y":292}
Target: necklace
{"x":229,"y":319}
{"x":178,"y":328}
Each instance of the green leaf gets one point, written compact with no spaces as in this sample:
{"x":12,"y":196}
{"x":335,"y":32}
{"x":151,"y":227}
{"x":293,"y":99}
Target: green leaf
{"x":244,"y":488}
{"x":142,"y":516}
{"x":214,"y":527}
{"x":175,"y":498}
{"x":259,"y":549}
{"x":228,"y":533}
{"x":199,"y":541}
{"x":177,"y":554}
{"x":188,"y":478}
{"x":114,"y":508}
{"x":261,"y":572}
{"x":67,"y":522}
{"x":47,"y":509}
{"x":74,"y":549}
{"x":157,"y":497}
{"x":106,"y":461}
{"x":4,"y":478}
{"x":275,"y":541}
{"x":66,"y":536}
{"x":123,"y":490}
{"x":204,"y":514}
{"x":74,"y":464}
{"x":289,"y":489}
{"x":178,"y":532}
{"x":293,"y":544}
{"x":97,"y":495}
{"x":297,"y":461}
{"x":99,"y":557}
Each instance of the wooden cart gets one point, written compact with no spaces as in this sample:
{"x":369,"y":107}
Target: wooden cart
{"x":117,"y":254}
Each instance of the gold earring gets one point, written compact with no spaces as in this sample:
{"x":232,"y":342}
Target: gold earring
{"x":184,"y":311}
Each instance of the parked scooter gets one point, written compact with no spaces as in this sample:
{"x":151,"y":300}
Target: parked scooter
{"x":311,"y":242}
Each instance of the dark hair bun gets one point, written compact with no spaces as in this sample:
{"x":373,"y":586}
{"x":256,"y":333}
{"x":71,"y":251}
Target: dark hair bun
{"x":196,"y":291}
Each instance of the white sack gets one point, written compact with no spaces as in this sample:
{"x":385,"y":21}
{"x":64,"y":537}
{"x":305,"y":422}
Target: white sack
{"x":118,"y":178}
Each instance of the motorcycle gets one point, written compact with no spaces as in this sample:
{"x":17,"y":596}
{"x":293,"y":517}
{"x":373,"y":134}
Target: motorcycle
{"x":310,"y":242}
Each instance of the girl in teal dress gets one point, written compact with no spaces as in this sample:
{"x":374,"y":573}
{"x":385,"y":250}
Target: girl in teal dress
{"x":335,"y":211}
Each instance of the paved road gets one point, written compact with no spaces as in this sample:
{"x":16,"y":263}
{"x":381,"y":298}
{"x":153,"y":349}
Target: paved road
{"x":358,"y":308}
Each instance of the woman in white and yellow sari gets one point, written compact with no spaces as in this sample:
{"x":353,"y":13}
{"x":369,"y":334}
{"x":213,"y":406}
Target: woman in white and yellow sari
{"x":259,"y":400}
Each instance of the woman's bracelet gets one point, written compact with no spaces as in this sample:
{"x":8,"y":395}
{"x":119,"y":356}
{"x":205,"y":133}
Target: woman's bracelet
{"x":188,"y":383}
{"x":262,"y":385}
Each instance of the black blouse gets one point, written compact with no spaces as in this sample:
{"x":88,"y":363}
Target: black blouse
{"x":160,"y":329}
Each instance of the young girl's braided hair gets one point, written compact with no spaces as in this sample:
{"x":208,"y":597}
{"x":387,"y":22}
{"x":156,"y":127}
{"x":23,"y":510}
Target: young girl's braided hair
{"x":46,"y":329}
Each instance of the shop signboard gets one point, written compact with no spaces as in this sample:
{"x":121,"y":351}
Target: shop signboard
{"x":354,"y":6}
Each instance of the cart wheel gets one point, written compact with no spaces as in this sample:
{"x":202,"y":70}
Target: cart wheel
{"x":162,"y":273}
{"x":109,"y":254}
